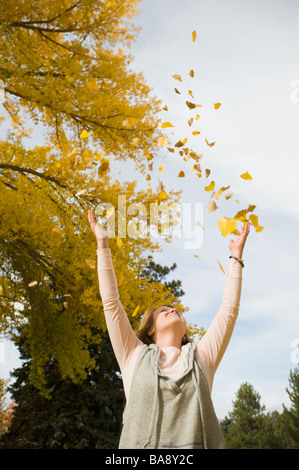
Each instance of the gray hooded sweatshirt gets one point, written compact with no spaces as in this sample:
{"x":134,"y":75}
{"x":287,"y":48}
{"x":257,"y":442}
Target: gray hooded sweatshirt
{"x":166,"y":414}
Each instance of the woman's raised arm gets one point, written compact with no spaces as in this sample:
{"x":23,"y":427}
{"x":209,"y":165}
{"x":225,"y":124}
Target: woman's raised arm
{"x":123,"y":338}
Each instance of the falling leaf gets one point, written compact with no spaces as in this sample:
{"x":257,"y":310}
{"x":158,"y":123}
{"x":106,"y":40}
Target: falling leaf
{"x":91,"y":263}
{"x":190,"y":105}
{"x":195,"y":256}
{"x":162,"y":195}
{"x":226,"y":225}
{"x":254,"y":219}
{"x":57,"y":230}
{"x":84,"y":135}
{"x":190,"y":93}
{"x":177,"y":77}
{"x":217,"y":105}
{"x":136,"y":311}
{"x":179,"y":144}
{"x":190,"y":121}
{"x":197,"y":167}
{"x":162,"y":141}
{"x":195,"y":132}
{"x":259,"y":229}
{"x":119,"y":242}
{"x":177,"y":91}
{"x":33,"y":283}
{"x":191,"y":73}
{"x":104,"y":167}
{"x":221,"y":267}
{"x":228,"y":196}
{"x":208,"y":172}
{"x":211,"y":144}
{"x":197,"y":117}
{"x":193,"y":36}
{"x":170,"y":150}
{"x":165,"y":108}
{"x":212,"y":206}
{"x":161,"y":168}
{"x":211,"y":186}
{"x":246,"y":176}
{"x":181,"y":174}
{"x":150,"y":166}
{"x":166,"y":124}
{"x":120,"y":279}
{"x":199,"y":224}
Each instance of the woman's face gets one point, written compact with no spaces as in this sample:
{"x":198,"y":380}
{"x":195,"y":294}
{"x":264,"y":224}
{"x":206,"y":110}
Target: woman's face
{"x":166,"y":318}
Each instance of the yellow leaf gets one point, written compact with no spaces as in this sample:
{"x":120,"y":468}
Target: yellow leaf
{"x":195,"y":132}
{"x":181,"y":174}
{"x":217,"y":105}
{"x":246,"y":176}
{"x":119,"y":242}
{"x":226,"y":225}
{"x":177,"y":91}
{"x":191,"y":73}
{"x":33,"y":283}
{"x":91,"y":263}
{"x":1,"y":290}
{"x":190,"y":105}
{"x":177,"y":77}
{"x":259,"y":229}
{"x":166,"y":124}
{"x":197,"y":117}
{"x":210,"y":144}
{"x":162,"y":141}
{"x":84,"y":135}
{"x":57,"y":230}
{"x":193,"y":36}
{"x":190,"y":121}
{"x":120,"y":279}
{"x":221,"y":267}
{"x":104,"y":166}
{"x":165,"y":108}
{"x":161,"y":168}
{"x":212,"y":206}
{"x":254,"y":219}
{"x":207,"y":172}
{"x":195,"y":256}
{"x":136,"y":311}
{"x":190,"y":93}
{"x":211,"y":186}
{"x":162,"y":195}
{"x":228,"y":196}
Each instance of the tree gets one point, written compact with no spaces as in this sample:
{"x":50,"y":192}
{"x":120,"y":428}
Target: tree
{"x":287,"y":425}
{"x":247,"y":427}
{"x":63,"y":66}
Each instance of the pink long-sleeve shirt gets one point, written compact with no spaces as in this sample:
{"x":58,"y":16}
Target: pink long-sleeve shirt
{"x":126,"y":345}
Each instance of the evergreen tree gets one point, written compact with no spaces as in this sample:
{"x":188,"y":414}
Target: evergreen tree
{"x":247,"y":426}
{"x":287,"y":426}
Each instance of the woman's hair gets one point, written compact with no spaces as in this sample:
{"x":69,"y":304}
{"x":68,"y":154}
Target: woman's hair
{"x":147,"y":322}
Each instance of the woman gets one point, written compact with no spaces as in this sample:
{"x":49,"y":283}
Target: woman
{"x":168,"y":379}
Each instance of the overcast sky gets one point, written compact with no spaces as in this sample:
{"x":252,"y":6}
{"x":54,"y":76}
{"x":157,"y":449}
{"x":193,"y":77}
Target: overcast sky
{"x":246,"y":57}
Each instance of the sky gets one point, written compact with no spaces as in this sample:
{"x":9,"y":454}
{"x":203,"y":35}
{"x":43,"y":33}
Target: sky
{"x":246,"y":57}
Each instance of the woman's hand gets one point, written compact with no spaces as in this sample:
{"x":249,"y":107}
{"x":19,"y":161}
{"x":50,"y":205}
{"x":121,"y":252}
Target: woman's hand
{"x":237,"y":246}
{"x":101,"y":236}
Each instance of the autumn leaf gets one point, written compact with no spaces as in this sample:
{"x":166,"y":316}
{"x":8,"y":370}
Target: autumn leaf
{"x":190,"y":105}
{"x":220,"y":266}
{"x":210,"y":144}
{"x":162,"y":141}
{"x":33,"y":283}
{"x":211,"y":186}
{"x":177,"y":91}
{"x":196,"y":132}
{"x":181,"y":174}
{"x":136,"y":311}
{"x":84,"y":135}
{"x":119,"y":242}
{"x":177,"y":77}
{"x":246,"y":176}
{"x":259,"y":229}
{"x":212,"y":206}
{"x":129,"y":123}
{"x":207,"y":171}
{"x":193,"y":36}
{"x":191,"y":94}
{"x":217,"y":105}
{"x":195,"y":256}
{"x":91,"y":263}
{"x":166,"y":124}
{"x":162,"y":195}
{"x":254,"y":219}
{"x":104,"y":166}
{"x":191,"y":73}
{"x":165,"y":108}
{"x":226,"y":225}
{"x":161,"y":168}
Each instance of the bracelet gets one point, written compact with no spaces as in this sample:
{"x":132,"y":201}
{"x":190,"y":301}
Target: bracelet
{"x":237,"y":259}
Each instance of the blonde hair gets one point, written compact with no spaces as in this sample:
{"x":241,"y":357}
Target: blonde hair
{"x":147,"y":322}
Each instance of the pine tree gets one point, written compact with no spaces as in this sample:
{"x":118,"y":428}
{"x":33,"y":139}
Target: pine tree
{"x":287,"y":425}
{"x":247,"y":426}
